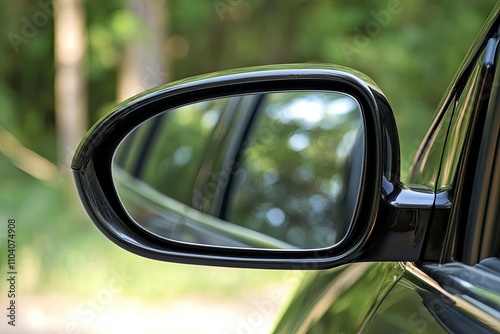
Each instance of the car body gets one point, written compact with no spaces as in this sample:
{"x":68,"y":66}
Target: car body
{"x":427,"y":252}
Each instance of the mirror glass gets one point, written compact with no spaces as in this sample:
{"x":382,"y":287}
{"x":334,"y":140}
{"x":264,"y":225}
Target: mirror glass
{"x":273,"y":171}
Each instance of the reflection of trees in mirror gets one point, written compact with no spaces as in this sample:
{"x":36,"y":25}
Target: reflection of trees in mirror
{"x":294,"y":177}
{"x":289,"y":185}
{"x":171,"y":151}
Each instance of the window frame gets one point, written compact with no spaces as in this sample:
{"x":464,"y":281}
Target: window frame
{"x":463,"y":242}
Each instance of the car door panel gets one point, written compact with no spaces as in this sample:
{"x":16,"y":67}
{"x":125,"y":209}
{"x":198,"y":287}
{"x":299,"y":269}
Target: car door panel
{"x":410,"y":308}
{"x":404,"y":311}
{"x":339,"y":300}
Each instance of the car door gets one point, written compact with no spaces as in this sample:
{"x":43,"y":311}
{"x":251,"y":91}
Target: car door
{"x":458,"y":159}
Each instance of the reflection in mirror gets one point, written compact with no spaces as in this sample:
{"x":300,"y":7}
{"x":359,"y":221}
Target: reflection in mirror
{"x":273,"y":171}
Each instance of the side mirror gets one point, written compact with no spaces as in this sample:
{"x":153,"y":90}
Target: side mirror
{"x":286,"y":166}
{"x":279,"y":170}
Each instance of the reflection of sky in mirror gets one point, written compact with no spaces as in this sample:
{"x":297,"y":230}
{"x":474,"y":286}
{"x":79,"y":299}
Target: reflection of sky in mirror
{"x":318,"y":203}
{"x":182,"y":155}
{"x":324,"y":110}
{"x":346,"y":145}
{"x":270,"y":177}
{"x":299,"y":141}
{"x":312,"y":110}
{"x":276,"y":217}
{"x":332,"y":187}
{"x":304,"y":174}
{"x":210,"y":118}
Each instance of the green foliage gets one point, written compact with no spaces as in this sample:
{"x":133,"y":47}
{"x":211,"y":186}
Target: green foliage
{"x":26,"y":69}
{"x":413,"y":58}
{"x":411,"y":49}
{"x":412,"y":55}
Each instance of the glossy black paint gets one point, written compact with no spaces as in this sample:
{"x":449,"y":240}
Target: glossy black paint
{"x":467,"y":238}
{"x":339,"y":300}
{"x":92,"y":165}
{"x":431,"y":166}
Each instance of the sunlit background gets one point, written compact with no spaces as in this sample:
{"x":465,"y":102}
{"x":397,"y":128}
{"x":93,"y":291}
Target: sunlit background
{"x":64,"y":63}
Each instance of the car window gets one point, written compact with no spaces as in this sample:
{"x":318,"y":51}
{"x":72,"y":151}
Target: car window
{"x":293,"y":179}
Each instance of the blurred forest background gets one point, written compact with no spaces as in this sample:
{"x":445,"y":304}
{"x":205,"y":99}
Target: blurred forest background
{"x":65,"y":63}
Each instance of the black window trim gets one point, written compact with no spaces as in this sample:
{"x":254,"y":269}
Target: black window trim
{"x":463,"y":243}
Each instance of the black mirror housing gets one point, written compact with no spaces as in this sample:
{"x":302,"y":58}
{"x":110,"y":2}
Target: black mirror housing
{"x":379,"y":189}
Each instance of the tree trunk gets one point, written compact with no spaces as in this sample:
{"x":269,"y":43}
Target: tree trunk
{"x":70,"y":85}
{"x":144,"y":64}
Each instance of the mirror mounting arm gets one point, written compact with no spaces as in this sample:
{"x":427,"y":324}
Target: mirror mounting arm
{"x":409,"y":212}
